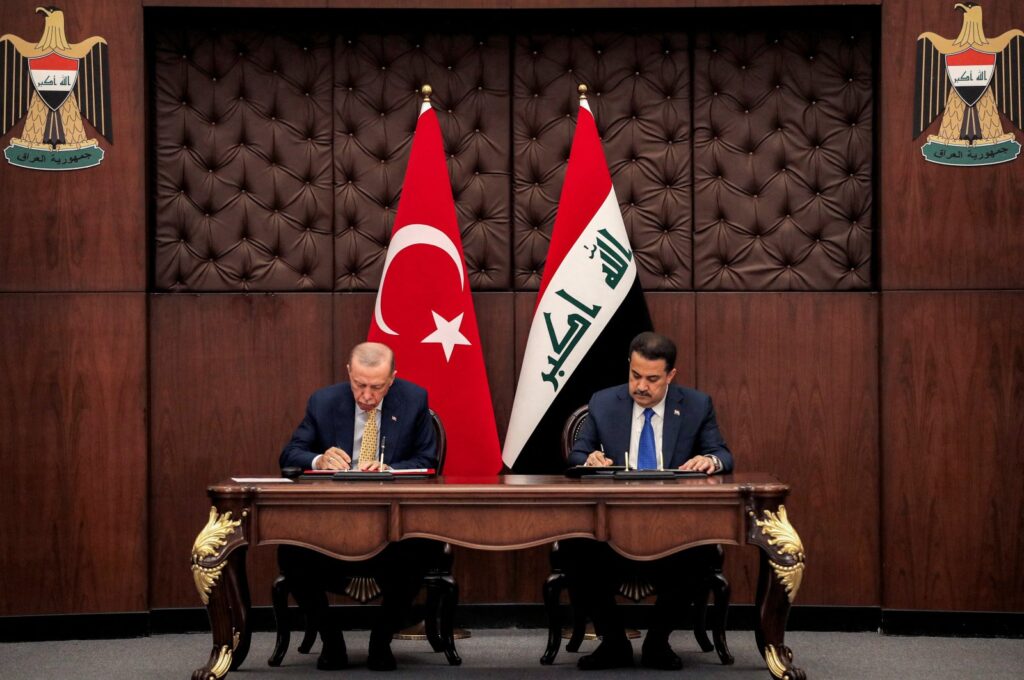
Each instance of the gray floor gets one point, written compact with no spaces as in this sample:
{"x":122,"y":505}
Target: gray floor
{"x":514,"y":653}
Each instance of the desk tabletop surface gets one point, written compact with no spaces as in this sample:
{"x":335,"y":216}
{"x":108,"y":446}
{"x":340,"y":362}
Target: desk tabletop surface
{"x":512,"y":485}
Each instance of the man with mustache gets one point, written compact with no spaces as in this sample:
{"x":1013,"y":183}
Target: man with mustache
{"x":658,"y":426}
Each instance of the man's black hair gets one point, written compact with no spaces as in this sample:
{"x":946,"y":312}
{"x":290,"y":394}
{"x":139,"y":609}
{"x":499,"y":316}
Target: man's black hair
{"x":653,"y":346}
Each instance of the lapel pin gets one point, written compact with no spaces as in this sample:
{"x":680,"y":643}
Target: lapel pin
{"x":675,"y":412}
{"x":394,"y":418}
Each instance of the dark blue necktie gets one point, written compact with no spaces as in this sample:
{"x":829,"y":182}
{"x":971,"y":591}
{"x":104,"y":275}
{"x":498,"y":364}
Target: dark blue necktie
{"x":646,"y":456}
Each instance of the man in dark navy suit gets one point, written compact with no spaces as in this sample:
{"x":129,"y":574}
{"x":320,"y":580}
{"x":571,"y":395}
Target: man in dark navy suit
{"x":373,"y":422}
{"x":652,"y":424}
{"x":330,"y":437}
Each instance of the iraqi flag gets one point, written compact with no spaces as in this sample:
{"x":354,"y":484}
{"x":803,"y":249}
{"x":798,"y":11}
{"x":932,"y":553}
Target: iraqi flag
{"x":53,"y":77}
{"x":589,"y":307}
{"x":970,"y":72}
{"x":424,"y":309}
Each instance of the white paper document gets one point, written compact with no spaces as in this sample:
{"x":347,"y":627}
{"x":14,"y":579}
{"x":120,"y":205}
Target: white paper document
{"x":261,"y":480}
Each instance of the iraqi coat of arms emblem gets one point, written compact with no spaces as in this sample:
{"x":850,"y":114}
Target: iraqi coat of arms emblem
{"x":970,"y":79}
{"x":53,"y":85}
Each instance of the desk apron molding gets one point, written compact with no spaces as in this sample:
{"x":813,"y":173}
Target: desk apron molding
{"x":510,"y":512}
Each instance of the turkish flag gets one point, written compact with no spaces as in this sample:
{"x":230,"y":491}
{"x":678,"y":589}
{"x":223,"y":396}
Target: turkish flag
{"x":424,"y":309}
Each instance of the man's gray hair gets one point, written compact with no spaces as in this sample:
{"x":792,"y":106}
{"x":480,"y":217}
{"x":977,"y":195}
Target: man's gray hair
{"x":371,"y":354}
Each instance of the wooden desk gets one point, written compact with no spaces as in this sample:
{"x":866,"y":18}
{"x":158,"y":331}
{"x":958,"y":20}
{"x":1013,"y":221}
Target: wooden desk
{"x":354,"y":520}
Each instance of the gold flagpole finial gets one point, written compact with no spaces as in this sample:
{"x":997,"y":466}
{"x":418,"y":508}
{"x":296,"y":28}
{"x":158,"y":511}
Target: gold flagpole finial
{"x":582,"y":89}
{"x":425,"y":91}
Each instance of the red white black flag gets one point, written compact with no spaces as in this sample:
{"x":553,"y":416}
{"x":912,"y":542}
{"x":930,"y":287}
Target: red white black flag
{"x":424,"y":309}
{"x":589,"y":307}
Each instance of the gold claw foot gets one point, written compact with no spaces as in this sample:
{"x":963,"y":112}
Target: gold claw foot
{"x":780,"y":660}
{"x":218,"y":665}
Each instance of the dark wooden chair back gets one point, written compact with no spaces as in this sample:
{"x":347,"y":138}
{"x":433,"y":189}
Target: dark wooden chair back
{"x":441,"y":439}
{"x":571,"y":430}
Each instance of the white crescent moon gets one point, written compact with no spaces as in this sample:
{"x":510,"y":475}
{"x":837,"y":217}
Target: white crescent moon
{"x":415,"y":235}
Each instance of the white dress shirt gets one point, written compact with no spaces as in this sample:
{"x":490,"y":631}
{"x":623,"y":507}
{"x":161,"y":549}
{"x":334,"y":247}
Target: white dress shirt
{"x":357,"y":436}
{"x":657,"y":424}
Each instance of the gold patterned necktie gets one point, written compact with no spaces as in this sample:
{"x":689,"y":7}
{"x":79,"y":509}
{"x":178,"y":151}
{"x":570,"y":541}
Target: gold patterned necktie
{"x":368,"y":447}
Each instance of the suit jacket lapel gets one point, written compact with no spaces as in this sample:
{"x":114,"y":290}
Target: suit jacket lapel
{"x":674,"y":415}
{"x":344,"y":419}
{"x":390,"y":412}
{"x":619,"y":439}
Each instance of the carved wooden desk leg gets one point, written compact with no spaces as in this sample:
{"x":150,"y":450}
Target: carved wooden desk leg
{"x":218,"y":567}
{"x":782,"y":568}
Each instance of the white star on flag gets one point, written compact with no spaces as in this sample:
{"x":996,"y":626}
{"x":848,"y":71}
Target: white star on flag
{"x":447,"y":334}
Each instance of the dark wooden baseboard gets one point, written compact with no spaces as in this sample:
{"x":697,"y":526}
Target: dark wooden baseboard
{"x":741,"y":617}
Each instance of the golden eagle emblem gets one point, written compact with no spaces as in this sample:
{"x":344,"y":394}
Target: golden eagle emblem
{"x":54,"y":85}
{"x":971,"y":78}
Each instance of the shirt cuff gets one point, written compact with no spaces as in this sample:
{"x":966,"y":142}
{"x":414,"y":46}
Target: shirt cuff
{"x":315,"y":459}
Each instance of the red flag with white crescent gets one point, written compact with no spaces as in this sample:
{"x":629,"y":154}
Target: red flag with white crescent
{"x":424,"y":309}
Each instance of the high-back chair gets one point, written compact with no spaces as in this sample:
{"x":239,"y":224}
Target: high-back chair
{"x":442,"y":593}
{"x":707,"y":578}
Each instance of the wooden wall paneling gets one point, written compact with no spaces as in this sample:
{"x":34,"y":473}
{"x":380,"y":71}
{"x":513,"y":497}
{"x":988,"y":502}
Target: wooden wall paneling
{"x":673,"y":314}
{"x":504,"y":576}
{"x":73,"y":443}
{"x":81,"y":229}
{"x":352,"y":314}
{"x":239,"y":4}
{"x":780,"y":3}
{"x":942,"y":227}
{"x":794,"y":379}
{"x":231,"y":375}
{"x":495,"y":316}
{"x":953,"y":433}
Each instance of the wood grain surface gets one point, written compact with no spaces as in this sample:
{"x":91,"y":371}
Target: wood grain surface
{"x":230,"y":378}
{"x":953,"y":427}
{"x":794,"y":379}
{"x":73,"y":441}
{"x":942,"y":227}
{"x":81,"y":230}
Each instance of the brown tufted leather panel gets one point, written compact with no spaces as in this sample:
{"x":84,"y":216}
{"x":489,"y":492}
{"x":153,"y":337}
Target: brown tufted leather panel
{"x":779,"y":198}
{"x":376,"y":80}
{"x":783,"y":159}
{"x":640,"y":89}
{"x":243,"y":161}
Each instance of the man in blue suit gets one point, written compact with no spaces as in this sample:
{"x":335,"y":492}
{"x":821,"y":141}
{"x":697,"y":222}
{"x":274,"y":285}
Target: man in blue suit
{"x":330,"y":437}
{"x":654,"y":425}
{"x":373,"y":422}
